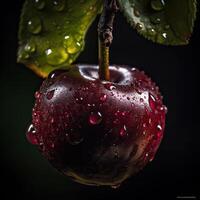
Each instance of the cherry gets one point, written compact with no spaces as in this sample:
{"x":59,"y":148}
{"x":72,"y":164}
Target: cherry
{"x":98,"y":132}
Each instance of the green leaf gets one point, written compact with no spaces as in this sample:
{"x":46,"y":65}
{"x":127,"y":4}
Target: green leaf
{"x":168,"y":22}
{"x":51,"y":33}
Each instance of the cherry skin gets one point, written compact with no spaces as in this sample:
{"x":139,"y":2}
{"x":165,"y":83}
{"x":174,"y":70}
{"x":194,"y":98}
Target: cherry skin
{"x":98,"y":132}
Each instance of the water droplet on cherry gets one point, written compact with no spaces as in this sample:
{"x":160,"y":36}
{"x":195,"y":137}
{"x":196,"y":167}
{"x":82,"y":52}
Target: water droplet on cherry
{"x":95,"y":118}
{"x":123,"y":131}
{"x":50,"y":94}
{"x":103,"y":97}
{"x":31,"y":135}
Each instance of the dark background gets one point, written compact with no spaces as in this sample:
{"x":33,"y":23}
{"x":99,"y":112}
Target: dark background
{"x":175,"y":170}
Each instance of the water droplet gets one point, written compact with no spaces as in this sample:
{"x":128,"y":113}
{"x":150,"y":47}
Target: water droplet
{"x":23,"y":55}
{"x":146,"y":154}
{"x":34,"y":25}
{"x":155,"y":20}
{"x":59,"y":5}
{"x":79,"y":100}
{"x":136,"y":12}
{"x":159,"y":127}
{"x":152,"y":101}
{"x":71,"y":45}
{"x":151,"y":31}
{"x":115,"y":186}
{"x":141,"y":100}
{"x":161,"y":37}
{"x":139,"y":26}
{"x":37,"y":95}
{"x":103,"y":97}
{"x":109,"y":86}
{"x":157,"y":5}
{"x":31,"y":135}
{"x":56,"y":56}
{"x":39,"y":4}
{"x":163,"y":108}
{"x":167,"y":27}
{"x":30,"y":47}
{"x":123,"y":131}
{"x":95,"y":118}
{"x":50,"y":94}
{"x":52,"y":120}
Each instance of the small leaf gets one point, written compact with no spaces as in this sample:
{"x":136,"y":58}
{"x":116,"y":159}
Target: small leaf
{"x":168,"y":22}
{"x":51,"y":33}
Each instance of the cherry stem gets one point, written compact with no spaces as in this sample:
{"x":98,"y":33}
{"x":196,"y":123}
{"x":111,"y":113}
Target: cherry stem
{"x":105,"y":36}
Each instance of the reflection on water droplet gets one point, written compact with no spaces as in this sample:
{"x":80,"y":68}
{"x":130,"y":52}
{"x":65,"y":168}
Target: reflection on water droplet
{"x":115,"y":186}
{"x":56,"y":56}
{"x":95,"y":118}
{"x":136,"y":12}
{"x":72,"y":45}
{"x":30,"y":47}
{"x":31,"y":135}
{"x":123,"y":131}
{"x":155,"y":20}
{"x":34,"y":25}
{"x":103,"y":97}
{"x":59,"y":5}
{"x":151,"y":31}
{"x":37,"y":95}
{"x":157,"y":5}
{"x":139,"y":26}
{"x":79,"y":100}
{"x":152,"y":101}
{"x":109,"y":86}
{"x":39,"y":4}
{"x":50,"y":94}
{"x":159,"y":127}
{"x":161,"y":37}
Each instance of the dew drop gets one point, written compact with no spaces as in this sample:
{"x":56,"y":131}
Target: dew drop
{"x":56,"y":56}
{"x":24,"y":55}
{"x":115,"y":186}
{"x":59,"y":5}
{"x":152,"y":101}
{"x":31,"y":135}
{"x":161,"y":37}
{"x":79,"y":100}
{"x":151,"y":31}
{"x":39,"y":4}
{"x":139,"y":26}
{"x":109,"y":86}
{"x":103,"y":98}
{"x":141,"y":100}
{"x":34,"y":25}
{"x":50,"y":94}
{"x":37,"y":95}
{"x":136,"y":12}
{"x":72,"y":45}
{"x":95,"y":118}
{"x":30,"y":47}
{"x":159,"y":127}
{"x":155,"y":20}
{"x":123,"y":131}
{"x":157,"y":5}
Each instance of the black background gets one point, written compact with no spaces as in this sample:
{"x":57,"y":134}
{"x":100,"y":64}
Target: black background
{"x":175,"y":170}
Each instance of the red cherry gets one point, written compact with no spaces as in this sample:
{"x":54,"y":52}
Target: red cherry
{"x":98,"y":132}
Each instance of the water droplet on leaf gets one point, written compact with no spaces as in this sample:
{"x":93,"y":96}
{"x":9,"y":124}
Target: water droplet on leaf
{"x":56,"y":56}
{"x":39,"y":4}
{"x":34,"y":25}
{"x":157,"y":5}
{"x":59,"y":5}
